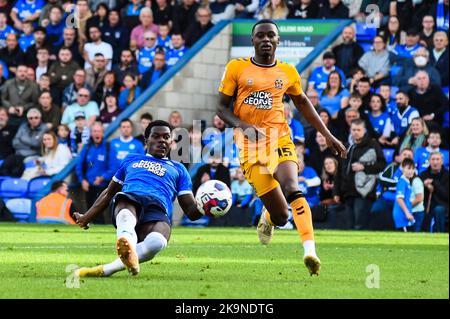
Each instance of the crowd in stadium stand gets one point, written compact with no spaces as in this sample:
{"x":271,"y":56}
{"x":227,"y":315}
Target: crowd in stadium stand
{"x":69,"y":68}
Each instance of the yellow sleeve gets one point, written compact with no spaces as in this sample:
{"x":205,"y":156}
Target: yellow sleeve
{"x":295,"y":80}
{"x":229,"y":81}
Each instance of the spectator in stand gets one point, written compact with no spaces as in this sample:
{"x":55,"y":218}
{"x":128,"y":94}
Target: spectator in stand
{"x":402,"y":212}
{"x":426,"y":35}
{"x":440,"y":10}
{"x":221,"y":10}
{"x":130,"y":13}
{"x":19,"y":94}
{"x":319,"y":76}
{"x":45,"y":13}
{"x":26,"y":10}
{"x":126,"y":66}
{"x":5,"y":29}
{"x":308,"y":182}
{"x":313,"y":97}
{"x":200,"y":27}
{"x":125,"y":143}
{"x":7,"y":133}
{"x":44,"y":83}
{"x":175,"y":119}
{"x":147,"y":52}
{"x":144,"y":121}
{"x":422,"y":154}
{"x":56,"y":206}
{"x":116,"y":34}
{"x":40,"y":41}
{"x":348,"y":52}
{"x":164,"y":37}
{"x":399,"y":122}
{"x":99,"y":18}
{"x":43,"y":57}
{"x":385,"y":92}
{"x":157,"y":70}
{"x":54,"y":157}
{"x":51,"y":113}
{"x":162,"y":12}
{"x":110,"y":111}
{"x":26,"y":39}
{"x":130,"y":93}
{"x":70,"y":41}
{"x":81,"y":15}
{"x":26,"y":144}
{"x":356,"y":184}
{"x":137,"y":34}
{"x":241,"y":190}
{"x":405,"y":79}
{"x":319,"y":152}
{"x":108,"y":86}
{"x":376,"y":62}
{"x":393,"y":34}
{"x":96,"y":73}
{"x":83,"y":104}
{"x":356,"y":74}
{"x":416,"y":135}
{"x":297,"y":132}
{"x":63,"y":133}
{"x":435,"y":180}
{"x":55,"y":26}
{"x":406,"y":51}
{"x":303,"y":9}
{"x":333,"y":9}
{"x":70,"y":93}
{"x":274,"y":9}
{"x":364,"y":89}
{"x":184,"y":15}
{"x":439,"y":56}
{"x":335,"y":96}
{"x":178,"y":49}
{"x":429,"y":99}
{"x":95,"y":167}
{"x":378,"y":115}
{"x":11,"y":54}
{"x":213,"y":170}
{"x":245,"y":9}
{"x":329,"y":173}
{"x":80,"y":135}
{"x":403,"y":10}
{"x":96,"y":45}
{"x":381,"y":211}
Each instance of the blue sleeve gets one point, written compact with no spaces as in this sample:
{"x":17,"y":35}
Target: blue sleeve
{"x":247,"y":199}
{"x":119,"y":176}
{"x":299,"y":133}
{"x":313,"y":77}
{"x":123,"y":99}
{"x":417,"y":156}
{"x":401,"y":189}
{"x":79,"y":167}
{"x":184,"y":183}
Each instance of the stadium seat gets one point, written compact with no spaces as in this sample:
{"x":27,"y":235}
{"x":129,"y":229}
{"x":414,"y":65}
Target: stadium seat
{"x":394,"y":90}
{"x":20,"y":208}
{"x":1,"y":162}
{"x":394,"y":70}
{"x":36,"y":185}
{"x":389,"y":154}
{"x":367,"y":46}
{"x":364,"y":33}
{"x":13,"y":188}
{"x":445,"y":90}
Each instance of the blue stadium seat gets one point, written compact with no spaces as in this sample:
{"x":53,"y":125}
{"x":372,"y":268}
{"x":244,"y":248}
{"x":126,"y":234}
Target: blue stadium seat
{"x":364,"y":33}
{"x":20,"y":208}
{"x":13,"y":188}
{"x":36,"y":185}
{"x":445,"y":90}
{"x":389,"y":154}
{"x":394,"y":90}
{"x":367,"y":46}
{"x":1,"y":162}
{"x":394,"y":70}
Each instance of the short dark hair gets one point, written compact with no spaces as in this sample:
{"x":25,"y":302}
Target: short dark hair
{"x":126,"y":120}
{"x":57,"y":185}
{"x":402,"y":92}
{"x":365,"y":79}
{"x":359,"y":122}
{"x":264,"y":21}
{"x":99,"y":53}
{"x":153,"y":124}
{"x":407,"y":162}
{"x":355,"y":95}
{"x":146,"y":116}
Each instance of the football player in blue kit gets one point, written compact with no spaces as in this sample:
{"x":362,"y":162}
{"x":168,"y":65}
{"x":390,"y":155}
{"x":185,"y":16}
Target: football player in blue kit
{"x":141,"y":194}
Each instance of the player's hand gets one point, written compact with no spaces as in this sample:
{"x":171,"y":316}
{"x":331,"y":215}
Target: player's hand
{"x":85,"y":185}
{"x":81,"y":220}
{"x":336,"y":146}
{"x":410,"y":216}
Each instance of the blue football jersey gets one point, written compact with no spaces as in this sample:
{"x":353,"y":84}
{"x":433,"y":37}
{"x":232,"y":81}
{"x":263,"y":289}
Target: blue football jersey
{"x":26,"y":8}
{"x":4,"y":33}
{"x":26,"y":41}
{"x":404,"y":191}
{"x":145,"y":59}
{"x":422,"y":155}
{"x":379,"y":122}
{"x":123,"y":148}
{"x":160,"y":178}
{"x":165,"y":43}
{"x":174,"y":55}
{"x":319,"y":77}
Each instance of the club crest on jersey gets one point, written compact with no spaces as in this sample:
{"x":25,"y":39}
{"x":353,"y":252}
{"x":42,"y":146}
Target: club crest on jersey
{"x":155,"y":168}
{"x":278,"y":83}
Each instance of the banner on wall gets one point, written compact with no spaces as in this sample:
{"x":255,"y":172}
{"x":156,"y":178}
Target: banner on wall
{"x":297,"y":38}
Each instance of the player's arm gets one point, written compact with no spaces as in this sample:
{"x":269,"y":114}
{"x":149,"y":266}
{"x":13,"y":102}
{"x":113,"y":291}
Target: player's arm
{"x":305,"y":107}
{"x":189,"y":206}
{"x":99,"y":206}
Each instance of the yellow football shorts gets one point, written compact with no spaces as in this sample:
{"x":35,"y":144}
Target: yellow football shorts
{"x":259,"y":170}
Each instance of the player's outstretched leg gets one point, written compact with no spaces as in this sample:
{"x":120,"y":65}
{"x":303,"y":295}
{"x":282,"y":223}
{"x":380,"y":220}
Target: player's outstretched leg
{"x":127,"y":240}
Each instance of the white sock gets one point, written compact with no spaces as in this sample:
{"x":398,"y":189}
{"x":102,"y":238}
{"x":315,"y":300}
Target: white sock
{"x":113,"y":267}
{"x":146,"y":250}
{"x":152,"y":244}
{"x":309,"y":247}
{"x":126,"y":221}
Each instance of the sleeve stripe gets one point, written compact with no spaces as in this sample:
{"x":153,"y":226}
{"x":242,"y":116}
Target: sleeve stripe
{"x":185,"y":192}
{"x":115,"y":179}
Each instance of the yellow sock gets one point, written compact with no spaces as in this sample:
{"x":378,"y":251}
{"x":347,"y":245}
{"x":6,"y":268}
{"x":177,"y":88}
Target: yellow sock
{"x":267,"y":215}
{"x":303,"y":218}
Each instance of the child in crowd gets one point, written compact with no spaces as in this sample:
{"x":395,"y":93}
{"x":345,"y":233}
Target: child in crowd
{"x":402,"y":213}
{"x":81,"y":134}
{"x":417,"y":202}
{"x":130,"y":93}
{"x":241,"y":190}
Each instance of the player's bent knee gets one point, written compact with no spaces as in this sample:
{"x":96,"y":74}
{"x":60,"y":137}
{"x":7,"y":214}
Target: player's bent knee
{"x":152,"y":244}
{"x":280,"y":219}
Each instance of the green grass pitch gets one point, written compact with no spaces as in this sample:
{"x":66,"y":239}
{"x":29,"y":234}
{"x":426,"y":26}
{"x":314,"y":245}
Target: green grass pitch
{"x":225,"y":263}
